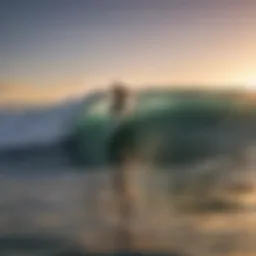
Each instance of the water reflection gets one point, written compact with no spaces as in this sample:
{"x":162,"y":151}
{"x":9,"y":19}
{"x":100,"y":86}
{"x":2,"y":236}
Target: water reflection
{"x":71,"y":209}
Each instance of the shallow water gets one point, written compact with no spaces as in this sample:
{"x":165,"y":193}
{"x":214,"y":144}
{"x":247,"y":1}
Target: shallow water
{"x":62,"y":209}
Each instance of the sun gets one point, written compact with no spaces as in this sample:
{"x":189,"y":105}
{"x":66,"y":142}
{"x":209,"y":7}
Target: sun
{"x":251,"y":84}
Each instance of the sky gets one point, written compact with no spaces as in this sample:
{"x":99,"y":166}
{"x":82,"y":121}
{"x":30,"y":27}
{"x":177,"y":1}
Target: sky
{"x":52,"y":44}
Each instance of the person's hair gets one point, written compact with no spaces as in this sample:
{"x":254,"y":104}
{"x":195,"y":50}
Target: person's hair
{"x":119,"y":94}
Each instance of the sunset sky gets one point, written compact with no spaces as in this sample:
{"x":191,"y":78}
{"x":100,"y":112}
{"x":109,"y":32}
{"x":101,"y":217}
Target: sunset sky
{"x":52,"y":44}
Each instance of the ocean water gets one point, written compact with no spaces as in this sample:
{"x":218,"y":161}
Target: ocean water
{"x":57,"y":210}
{"x":48,"y":207}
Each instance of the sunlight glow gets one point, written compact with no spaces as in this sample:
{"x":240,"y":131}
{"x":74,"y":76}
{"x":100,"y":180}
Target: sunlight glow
{"x":251,"y":84}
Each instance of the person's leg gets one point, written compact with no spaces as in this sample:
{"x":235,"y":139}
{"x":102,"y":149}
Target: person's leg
{"x":124,"y":200}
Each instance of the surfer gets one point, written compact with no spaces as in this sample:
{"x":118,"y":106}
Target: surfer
{"x":120,"y":110}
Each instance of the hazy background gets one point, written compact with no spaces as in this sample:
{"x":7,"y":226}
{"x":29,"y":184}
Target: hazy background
{"x":53,"y":49}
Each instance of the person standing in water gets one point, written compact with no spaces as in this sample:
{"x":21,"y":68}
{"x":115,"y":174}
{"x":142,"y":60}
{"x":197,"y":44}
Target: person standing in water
{"x":118,"y":153}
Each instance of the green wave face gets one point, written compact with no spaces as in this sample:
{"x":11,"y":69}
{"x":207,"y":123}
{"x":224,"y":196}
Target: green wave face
{"x":184,"y":128}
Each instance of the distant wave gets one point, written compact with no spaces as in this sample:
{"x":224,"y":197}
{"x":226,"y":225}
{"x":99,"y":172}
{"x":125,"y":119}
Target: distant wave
{"x":45,"y":126}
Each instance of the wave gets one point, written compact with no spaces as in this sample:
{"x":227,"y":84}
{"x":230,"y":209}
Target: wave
{"x":42,"y":126}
